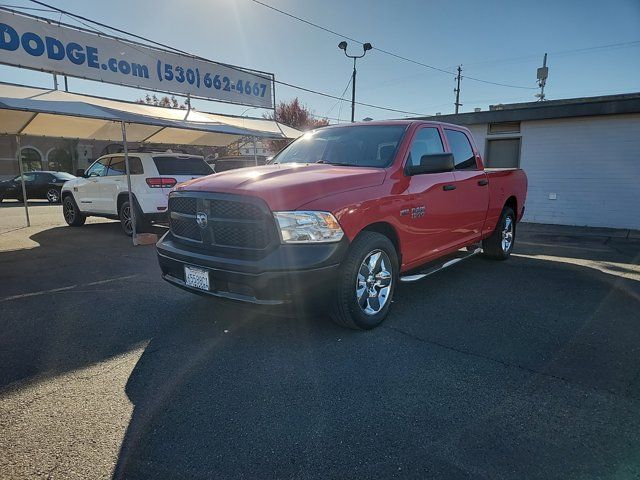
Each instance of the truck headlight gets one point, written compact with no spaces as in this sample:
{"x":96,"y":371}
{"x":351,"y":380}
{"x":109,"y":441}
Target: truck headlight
{"x":308,"y":227}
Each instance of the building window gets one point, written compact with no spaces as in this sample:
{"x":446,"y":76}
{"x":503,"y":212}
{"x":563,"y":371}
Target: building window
{"x":31,"y":159}
{"x":60,"y":160}
{"x":503,"y":153}
{"x":504,"y":127}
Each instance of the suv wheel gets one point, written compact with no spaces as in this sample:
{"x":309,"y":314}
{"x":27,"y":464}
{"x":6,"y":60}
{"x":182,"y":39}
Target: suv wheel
{"x":367,"y":282}
{"x":72,"y":214}
{"x":125,"y":219}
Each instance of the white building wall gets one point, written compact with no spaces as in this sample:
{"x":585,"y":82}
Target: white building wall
{"x":591,"y":164}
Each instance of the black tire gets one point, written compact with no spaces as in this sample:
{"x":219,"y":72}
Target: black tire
{"x":53,"y":195}
{"x":72,"y":214}
{"x":345,"y":308}
{"x":124,"y":213}
{"x":125,"y":218}
{"x":500,"y":244}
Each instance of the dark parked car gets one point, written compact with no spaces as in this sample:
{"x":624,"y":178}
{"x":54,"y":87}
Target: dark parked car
{"x":38,"y":185}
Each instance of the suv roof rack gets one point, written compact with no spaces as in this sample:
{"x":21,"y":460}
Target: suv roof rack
{"x":153,"y":150}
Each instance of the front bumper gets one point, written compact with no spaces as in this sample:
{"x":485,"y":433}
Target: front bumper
{"x":286,"y":274}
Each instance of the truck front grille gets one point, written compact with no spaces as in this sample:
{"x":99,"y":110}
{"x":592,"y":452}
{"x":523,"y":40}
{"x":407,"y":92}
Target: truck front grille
{"x":186,"y":228}
{"x":183,"y":205}
{"x":233,"y":222}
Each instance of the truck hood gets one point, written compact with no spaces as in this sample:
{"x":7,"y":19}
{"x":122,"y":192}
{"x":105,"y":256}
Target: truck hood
{"x":288,"y":186}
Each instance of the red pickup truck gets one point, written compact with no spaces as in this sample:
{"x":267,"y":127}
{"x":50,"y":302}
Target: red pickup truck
{"x":345,"y":211}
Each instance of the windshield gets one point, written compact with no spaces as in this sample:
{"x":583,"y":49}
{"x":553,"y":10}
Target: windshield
{"x":357,"y":145}
{"x":64,"y":176}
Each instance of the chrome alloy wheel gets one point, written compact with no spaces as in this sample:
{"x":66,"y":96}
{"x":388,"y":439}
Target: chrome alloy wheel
{"x":53,"y":196}
{"x":507,"y":234}
{"x":69,"y":211}
{"x":373,"y":283}
{"x":125,"y":218}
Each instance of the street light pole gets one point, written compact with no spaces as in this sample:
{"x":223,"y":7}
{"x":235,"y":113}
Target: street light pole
{"x":353,"y":92}
{"x":365,"y":47}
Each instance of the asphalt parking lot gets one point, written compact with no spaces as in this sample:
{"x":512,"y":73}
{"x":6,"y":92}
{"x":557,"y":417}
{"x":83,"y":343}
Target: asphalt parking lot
{"x":528,"y":368}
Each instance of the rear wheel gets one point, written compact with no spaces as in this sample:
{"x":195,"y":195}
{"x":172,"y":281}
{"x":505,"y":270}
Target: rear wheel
{"x":367,"y":282}
{"x":72,"y":214}
{"x":127,"y":222}
{"x":125,"y":219}
{"x":53,"y":195}
{"x":500,"y":244}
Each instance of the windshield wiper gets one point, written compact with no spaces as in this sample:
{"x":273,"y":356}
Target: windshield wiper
{"x":342,"y":164}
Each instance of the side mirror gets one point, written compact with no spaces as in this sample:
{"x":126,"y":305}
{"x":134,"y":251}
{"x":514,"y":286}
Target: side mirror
{"x":432,"y":163}
{"x":80,"y":172}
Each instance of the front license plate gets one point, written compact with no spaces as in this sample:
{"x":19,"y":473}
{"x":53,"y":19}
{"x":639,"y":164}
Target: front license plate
{"x":196,"y":277}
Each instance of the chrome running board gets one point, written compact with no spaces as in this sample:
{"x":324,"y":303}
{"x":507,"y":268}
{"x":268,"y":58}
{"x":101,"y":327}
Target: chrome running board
{"x":438,"y":267}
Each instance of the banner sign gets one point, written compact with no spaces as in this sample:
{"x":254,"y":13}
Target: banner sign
{"x":31,"y":42}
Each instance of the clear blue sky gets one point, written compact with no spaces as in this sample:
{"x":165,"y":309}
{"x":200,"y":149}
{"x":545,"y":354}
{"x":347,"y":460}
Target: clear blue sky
{"x":501,"y":41}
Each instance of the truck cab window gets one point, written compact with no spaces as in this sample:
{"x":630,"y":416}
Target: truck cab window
{"x":463,"y":155}
{"x":427,"y":141}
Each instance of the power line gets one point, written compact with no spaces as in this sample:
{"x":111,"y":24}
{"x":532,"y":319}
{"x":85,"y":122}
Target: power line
{"x":387,"y":52}
{"x":233,"y":67}
{"x":28,"y":8}
{"x":341,"y":97}
{"x":558,"y":53}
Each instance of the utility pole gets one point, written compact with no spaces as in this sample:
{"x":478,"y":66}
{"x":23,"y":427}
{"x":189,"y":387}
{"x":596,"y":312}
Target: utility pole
{"x":457,"y":89}
{"x":543,"y":74}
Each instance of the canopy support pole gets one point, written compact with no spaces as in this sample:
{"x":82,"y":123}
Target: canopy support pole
{"x":255,"y":152}
{"x":24,"y":188}
{"x":132,"y":209}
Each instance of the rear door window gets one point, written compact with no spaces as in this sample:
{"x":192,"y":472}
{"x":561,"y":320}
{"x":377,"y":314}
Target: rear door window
{"x":182,"y":165}
{"x":118,"y":167}
{"x":463,"y":155}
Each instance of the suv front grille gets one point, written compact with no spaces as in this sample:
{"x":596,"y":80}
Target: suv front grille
{"x":233,"y":221}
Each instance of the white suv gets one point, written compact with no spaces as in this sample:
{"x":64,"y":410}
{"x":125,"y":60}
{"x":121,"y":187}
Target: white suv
{"x":101,"y":190}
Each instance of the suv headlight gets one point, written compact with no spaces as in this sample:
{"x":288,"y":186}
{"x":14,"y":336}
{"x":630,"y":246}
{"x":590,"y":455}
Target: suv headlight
{"x":308,"y":227}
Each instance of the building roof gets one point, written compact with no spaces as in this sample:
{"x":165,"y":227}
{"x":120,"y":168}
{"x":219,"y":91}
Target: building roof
{"x":571,"y":107}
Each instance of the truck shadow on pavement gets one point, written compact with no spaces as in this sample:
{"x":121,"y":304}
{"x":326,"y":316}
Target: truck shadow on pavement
{"x":71,"y":297}
{"x":519,"y":369}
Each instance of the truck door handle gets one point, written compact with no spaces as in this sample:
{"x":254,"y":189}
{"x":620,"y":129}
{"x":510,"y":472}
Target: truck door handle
{"x":483,"y":182}
{"x":446,"y":188}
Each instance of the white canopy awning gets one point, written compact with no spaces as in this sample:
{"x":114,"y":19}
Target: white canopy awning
{"x":54,"y":113}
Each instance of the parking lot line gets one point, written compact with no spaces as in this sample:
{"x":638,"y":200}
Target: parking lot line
{"x":61,"y":289}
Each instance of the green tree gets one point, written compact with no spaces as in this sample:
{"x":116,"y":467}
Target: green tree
{"x":165,"y":101}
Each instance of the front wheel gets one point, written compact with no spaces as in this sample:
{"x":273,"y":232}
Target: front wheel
{"x":367,"y":282}
{"x":53,"y":195}
{"x":71,"y":212}
{"x":500,"y":244}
